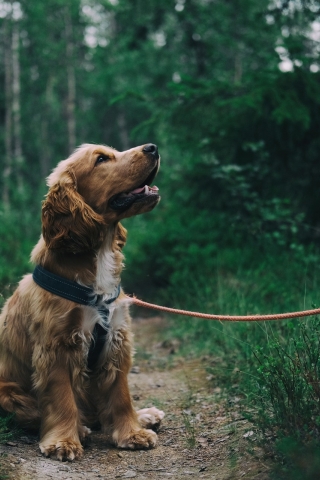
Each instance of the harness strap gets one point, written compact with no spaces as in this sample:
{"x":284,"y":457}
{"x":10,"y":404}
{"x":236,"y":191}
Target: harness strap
{"x":77,"y":293}
{"x":97,"y":343}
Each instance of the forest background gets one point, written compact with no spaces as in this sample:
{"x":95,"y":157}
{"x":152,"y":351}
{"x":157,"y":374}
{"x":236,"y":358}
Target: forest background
{"x":230,"y":92}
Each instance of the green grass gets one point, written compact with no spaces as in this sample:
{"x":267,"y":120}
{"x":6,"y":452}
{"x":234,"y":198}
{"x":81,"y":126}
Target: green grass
{"x":7,"y":427}
{"x":274,"y":367}
{"x":189,"y":422}
{"x":288,"y":382}
{"x":296,"y":461}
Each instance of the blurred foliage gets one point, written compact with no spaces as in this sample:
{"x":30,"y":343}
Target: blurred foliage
{"x":238,"y":136}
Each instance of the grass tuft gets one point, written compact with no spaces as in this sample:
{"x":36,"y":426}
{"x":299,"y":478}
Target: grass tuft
{"x":271,"y":368}
{"x":287,"y":393}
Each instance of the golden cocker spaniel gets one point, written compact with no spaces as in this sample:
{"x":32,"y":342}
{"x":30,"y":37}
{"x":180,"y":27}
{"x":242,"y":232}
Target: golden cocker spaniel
{"x":65,"y":338}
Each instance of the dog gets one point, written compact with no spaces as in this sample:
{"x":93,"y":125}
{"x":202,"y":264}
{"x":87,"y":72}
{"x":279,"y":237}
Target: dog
{"x":65,"y":338}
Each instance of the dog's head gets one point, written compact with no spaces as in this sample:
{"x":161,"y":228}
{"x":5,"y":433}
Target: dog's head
{"x":95,"y":187}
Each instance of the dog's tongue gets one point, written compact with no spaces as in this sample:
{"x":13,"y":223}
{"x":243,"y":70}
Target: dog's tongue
{"x":145,"y":189}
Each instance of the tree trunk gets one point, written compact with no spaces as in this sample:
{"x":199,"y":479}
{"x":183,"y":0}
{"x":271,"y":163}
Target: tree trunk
{"x":8,"y":111}
{"x":71,"y":92}
{"x":16,"y":108}
{"x":46,"y":149}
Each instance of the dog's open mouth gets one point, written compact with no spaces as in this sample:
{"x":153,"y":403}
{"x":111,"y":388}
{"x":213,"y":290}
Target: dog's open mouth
{"x":122,"y":201}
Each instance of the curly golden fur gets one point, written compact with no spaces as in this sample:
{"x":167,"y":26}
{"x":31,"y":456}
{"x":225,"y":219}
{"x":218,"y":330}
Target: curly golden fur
{"x":45,"y":339}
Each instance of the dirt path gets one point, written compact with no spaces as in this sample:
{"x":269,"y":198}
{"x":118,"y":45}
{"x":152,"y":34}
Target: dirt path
{"x":198,"y":437}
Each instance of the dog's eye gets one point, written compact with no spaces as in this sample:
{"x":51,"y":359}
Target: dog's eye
{"x":102,"y":158}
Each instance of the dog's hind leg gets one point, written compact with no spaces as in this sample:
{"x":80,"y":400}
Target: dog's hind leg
{"x":14,"y":400}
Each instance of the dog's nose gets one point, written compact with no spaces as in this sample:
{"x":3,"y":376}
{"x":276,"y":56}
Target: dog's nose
{"x":151,"y":148}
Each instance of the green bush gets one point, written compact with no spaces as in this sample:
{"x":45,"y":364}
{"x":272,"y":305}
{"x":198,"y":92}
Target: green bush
{"x":288,"y":383}
{"x":297,"y":461}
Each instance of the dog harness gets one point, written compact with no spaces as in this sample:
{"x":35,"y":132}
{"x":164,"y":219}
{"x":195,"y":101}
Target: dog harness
{"x":79,"y":294}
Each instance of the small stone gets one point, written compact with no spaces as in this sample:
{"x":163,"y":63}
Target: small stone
{"x":64,"y":468}
{"x":11,"y":444}
{"x":235,"y":400}
{"x":129,"y":474}
{"x":203,"y":441}
{"x":248,"y":434}
{"x":187,"y":412}
{"x":120,"y":454}
{"x":135,"y":369}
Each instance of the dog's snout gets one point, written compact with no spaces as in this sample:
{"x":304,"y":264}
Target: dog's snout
{"x":151,"y":148}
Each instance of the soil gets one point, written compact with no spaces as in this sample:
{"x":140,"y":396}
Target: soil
{"x":199,"y":437}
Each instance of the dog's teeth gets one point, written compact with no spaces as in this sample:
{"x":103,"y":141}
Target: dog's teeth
{"x":146,"y":189}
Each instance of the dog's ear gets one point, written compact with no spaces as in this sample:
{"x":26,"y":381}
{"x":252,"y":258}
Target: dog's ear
{"x":68,"y":223}
{"x":120,"y":236}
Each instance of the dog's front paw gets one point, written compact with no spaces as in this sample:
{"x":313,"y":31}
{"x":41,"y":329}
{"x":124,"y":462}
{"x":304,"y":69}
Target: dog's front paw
{"x":150,"y":417}
{"x":136,"y":439}
{"x":63,"y":450}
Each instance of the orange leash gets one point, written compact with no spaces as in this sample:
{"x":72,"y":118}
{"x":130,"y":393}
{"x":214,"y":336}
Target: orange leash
{"x":227,"y":318}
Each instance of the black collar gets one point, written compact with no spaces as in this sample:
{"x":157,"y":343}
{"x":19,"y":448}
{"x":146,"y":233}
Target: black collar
{"x":68,"y":289}
{"x":85,"y":296}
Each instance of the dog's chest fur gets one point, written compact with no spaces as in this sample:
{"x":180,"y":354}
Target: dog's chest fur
{"x":108,"y":268}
